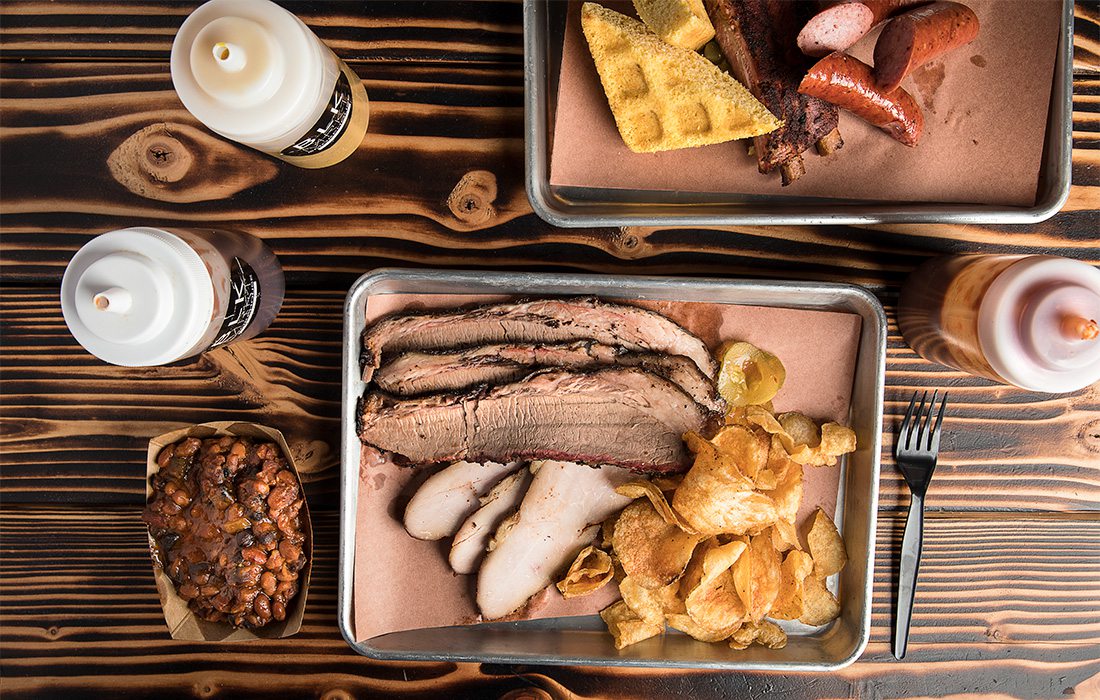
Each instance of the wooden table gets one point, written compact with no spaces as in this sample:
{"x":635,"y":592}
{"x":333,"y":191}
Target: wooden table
{"x":94,"y":138}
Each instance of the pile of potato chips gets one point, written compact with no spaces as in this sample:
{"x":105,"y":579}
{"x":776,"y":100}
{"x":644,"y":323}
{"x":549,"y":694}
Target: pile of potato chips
{"x":714,"y":553}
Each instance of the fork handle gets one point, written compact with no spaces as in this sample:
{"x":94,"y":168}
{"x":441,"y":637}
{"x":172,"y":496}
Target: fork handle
{"x":907,"y":574}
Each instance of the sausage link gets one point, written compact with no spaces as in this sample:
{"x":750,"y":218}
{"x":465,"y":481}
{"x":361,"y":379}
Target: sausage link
{"x":915,"y":38}
{"x":841,"y":23}
{"x":848,"y":83}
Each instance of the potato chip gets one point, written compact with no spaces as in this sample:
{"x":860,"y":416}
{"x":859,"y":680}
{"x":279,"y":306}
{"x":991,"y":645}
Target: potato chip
{"x":737,"y":512}
{"x":803,"y":440}
{"x":693,"y":572}
{"x":668,"y":483}
{"x":589,"y":572}
{"x":715,"y":495}
{"x":709,"y":458}
{"x":836,"y":440}
{"x":651,"y":551}
{"x":671,"y":601}
{"x":707,"y":586}
{"x":826,"y":546}
{"x":715,"y":604}
{"x":787,"y":494}
{"x":820,"y":606}
{"x":765,"y":574}
{"x":792,"y":576}
{"x":607,"y":529}
{"x":650,"y":490}
{"x":732,"y":443}
{"x":816,"y":447}
{"x":721,"y":558}
{"x":801,"y":429}
{"x":646,"y":603}
{"x":749,"y":375}
{"x":765,"y":633}
{"x":784,"y":536}
{"x":626,"y":627}
{"x":766,"y":480}
{"x":760,"y":416}
{"x":690,"y":627}
{"x":742,"y":577}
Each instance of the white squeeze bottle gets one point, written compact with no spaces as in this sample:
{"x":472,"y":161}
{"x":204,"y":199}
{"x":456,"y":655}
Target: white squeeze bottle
{"x":254,"y":73}
{"x":144,"y":296}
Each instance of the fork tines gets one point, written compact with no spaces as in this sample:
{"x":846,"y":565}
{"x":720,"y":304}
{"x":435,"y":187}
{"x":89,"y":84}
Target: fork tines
{"x":918,"y":423}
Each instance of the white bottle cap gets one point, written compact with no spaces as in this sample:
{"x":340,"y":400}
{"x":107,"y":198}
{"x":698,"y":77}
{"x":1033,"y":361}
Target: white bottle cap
{"x":1022,"y":319}
{"x":252,"y":72}
{"x":137,"y":297}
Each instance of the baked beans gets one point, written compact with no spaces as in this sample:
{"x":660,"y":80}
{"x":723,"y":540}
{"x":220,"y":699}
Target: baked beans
{"x":225,"y":516}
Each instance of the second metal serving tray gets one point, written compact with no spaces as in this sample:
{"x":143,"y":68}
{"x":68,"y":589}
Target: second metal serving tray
{"x":584,"y":640}
{"x":543,"y":26}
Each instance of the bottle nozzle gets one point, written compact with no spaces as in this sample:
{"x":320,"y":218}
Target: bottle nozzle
{"x":115,"y":300}
{"x":1078,"y":328}
{"x":229,"y":57}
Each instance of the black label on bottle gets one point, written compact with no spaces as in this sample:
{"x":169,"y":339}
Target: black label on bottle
{"x":330,"y":127}
{"x":244,"y":300}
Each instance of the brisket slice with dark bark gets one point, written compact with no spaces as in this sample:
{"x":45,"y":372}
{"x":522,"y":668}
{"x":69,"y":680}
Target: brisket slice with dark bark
{"x":759,"y":40}
{"x":540,"y":321}
{"x":414,"y":373}
{"x":621,"y":416}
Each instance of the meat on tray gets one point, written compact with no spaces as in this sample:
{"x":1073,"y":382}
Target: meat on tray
{"x":758,"y":39}
{"x":540,"y":321}
{"x":622,"y":416}
{"x":417,"y":372}
{"x":559,"y":516}
{"x":594,"y":394}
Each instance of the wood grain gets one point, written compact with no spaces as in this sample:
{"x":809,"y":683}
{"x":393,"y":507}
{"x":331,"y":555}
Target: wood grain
{"x":363,"y":31}
{"x":1086,"y":37}
{"x":432,"y":125}
{"x":388,"y":30}
{"x":76,"y":428}
{"x":1010,"y":609}
{"x":93,"y":138}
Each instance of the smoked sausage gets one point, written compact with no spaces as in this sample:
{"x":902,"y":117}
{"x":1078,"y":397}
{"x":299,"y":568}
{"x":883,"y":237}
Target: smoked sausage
{"x":916,"y":37}
{"x":841,"y":23}
{"x":848,"y":83}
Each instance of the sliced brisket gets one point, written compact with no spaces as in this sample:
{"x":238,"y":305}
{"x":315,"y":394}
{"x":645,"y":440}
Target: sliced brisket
{"x":414,"y":372}
{"x":536,"y":322}
{"x":622,"y":416}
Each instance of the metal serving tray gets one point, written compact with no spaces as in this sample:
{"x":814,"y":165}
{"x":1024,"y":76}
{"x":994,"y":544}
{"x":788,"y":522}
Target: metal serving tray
{"x":543,"y":28}
{"x":584,"y":640}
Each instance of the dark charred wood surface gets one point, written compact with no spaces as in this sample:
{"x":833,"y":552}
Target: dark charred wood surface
{"x":77,"y":429}
{"x":1012,"y":611}
{"x":92,"y":138}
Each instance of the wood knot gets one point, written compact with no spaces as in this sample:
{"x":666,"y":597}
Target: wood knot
{"x":179,"y":163}
{"x":337,"y":694}
{"x":471,"y":201}
{"x":1090,"y":435}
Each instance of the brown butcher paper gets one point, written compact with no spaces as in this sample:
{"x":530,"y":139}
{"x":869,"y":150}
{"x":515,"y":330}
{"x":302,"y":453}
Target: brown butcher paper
{"x":985,"y":113}
{"x":401,"y":583}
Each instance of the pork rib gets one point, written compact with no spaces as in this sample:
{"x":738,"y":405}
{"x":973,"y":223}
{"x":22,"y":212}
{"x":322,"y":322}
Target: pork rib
{"x":620,"y":416}
{"x":413,"y":373}
{"x":540,"y":321}
{"x":758,"y":39}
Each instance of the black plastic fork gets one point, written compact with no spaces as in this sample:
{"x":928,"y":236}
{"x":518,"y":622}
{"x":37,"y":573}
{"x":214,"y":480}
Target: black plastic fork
{"x":916,"y":450}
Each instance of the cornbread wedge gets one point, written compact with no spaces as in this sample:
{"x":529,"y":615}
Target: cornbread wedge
{"x":664,"y":97}
{"x":682,"y":23}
